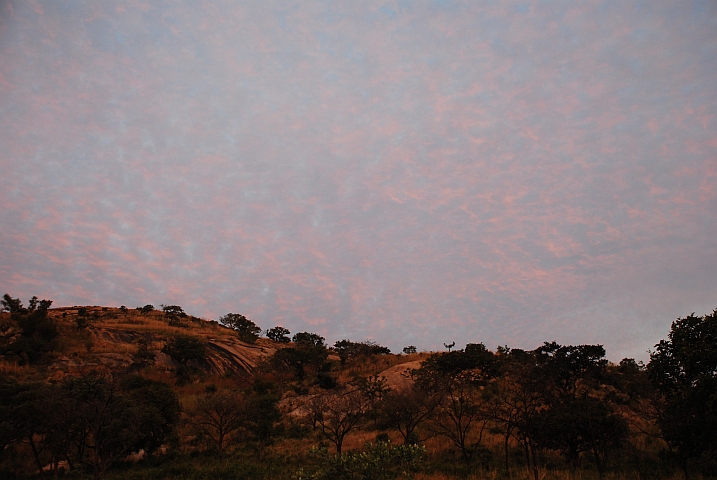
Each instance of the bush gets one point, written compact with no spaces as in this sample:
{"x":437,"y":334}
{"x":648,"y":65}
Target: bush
{"x":325,"y":380}
{"x":379,"y":461}
{"x":185,"y":349}
{"x":347,"y":349}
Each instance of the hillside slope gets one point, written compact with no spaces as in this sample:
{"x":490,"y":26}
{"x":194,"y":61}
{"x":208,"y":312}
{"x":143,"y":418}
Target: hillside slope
{"x":111,"y":338}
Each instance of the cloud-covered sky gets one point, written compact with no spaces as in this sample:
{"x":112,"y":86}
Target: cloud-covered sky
{"x":412,"y":172}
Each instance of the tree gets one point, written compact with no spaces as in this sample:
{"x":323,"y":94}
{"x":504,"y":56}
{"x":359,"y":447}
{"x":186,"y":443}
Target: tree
{"x":302,"y":357}
{"x":263,"y":419}
{"x":409,"y":349}
{"x":155,"y":410}
{"x":338,"y":413}
{"x":574,"y":419}
{"x":12,"y":305}
{"x":220,"y":417}
{"x":112,"y":419}
{"x":174,"y":314}
{"x":513,"y":401}
{"x":278,"y":334}
{"x":457,"y":379}
{"x":147,"y":309}
{"x":405,"y":410}
{"x":36,"y":304}
{"x":308,"y":339}
{"x":144,"y":356}
{"x":184,"y":350}
{"x":684,"y":370}
{"x":458,"y":415}
{"x":38,"y":333}
{"x":347,"y":349}
{"x":248,"y":331}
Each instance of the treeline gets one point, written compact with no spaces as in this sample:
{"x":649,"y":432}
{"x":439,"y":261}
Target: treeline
{"x":86,"y":423}
{"x":508,"y":410}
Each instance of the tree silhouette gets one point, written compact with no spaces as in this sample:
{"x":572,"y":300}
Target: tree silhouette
{"x":278,"y":334}
{"x":220,"y":417}
{"x":338,"y":413}
{"x":684,"y":370}
{"x":248,"y":331}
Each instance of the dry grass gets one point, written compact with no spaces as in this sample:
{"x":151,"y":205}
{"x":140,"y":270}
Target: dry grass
{"x":11,"y":368}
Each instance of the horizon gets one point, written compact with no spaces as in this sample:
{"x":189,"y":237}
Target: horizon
{"x":414,"y":172}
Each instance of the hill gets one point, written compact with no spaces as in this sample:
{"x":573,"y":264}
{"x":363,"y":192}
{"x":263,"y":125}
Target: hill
{"x":109,"y":339}
{"x":92,"y":390}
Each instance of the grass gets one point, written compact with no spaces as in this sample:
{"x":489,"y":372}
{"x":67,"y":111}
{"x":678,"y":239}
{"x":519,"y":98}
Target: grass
{"x":12,"y":368}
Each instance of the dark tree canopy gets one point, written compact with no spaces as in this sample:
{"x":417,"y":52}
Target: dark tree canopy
{"x":347,"y":349}
{"x":474,"y":356}
{"x":12,"y":305}
{"x":185,"y":349}
{"x":174,"y":310}
{"x":248,"y":331}
{"x":311,"y":339}
{"x":278,"y":334}
{"x":302,"y":357}
{"x":149,"y":308}
{"x":174,"y":314}
{"x":38,"y":331}
{"x":89,"y":420}
{"x":684,"y":369}
{"x":574,"y":421}
{"x":37,"y":304}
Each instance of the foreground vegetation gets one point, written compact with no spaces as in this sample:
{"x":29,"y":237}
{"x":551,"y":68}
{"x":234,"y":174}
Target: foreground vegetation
{"x":99,"y":392}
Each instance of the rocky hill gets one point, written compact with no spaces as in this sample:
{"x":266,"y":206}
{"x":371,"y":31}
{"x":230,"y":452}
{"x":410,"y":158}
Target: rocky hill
{"x":106,"y":337}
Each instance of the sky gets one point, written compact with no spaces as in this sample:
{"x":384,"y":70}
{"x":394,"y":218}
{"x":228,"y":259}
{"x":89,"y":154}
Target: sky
{"x":409,"y":172}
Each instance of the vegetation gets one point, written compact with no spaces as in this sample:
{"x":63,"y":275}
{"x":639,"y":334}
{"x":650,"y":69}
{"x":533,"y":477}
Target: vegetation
{"x":348,"y":350}
{"x":173,"y":313}
{"x":278,"y":334}
{"x":130,"y":394}
{"x":248,"y":331}
{"x":684,"y":370}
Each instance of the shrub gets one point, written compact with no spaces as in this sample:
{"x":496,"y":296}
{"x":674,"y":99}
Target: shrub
{"x":379,"y":461}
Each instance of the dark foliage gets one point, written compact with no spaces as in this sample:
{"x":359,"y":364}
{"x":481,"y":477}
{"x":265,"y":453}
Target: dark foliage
{"x":347,"y":349}
{"x":185,"y":349}
{"x":38,"y":334}
{"x":302,"y":358}
{"x":9,"y":304}
{"x":247,"y":330}
{"x":89,"y":421}
{"x":278,"y":334}
{"x":684,"y":370}
{"x":174,"y":315}
{"x":308,"y":339}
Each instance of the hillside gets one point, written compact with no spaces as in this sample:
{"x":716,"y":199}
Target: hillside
{"x":111,"y":336}
{"x":94,"y":389}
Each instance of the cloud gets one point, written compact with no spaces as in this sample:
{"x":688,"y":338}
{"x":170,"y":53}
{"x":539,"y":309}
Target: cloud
{"x":407,"y":172}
